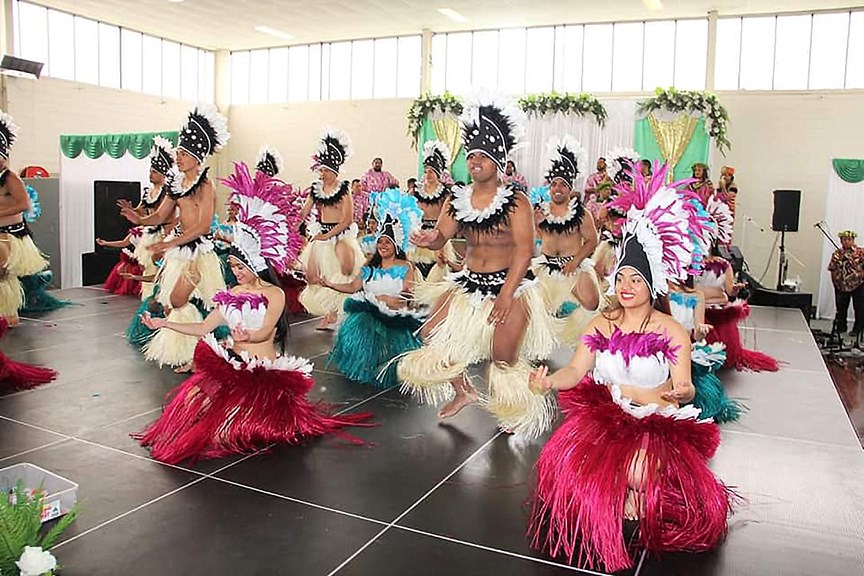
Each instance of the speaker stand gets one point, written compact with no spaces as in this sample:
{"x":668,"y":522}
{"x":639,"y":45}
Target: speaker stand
{"x":783,"y":263}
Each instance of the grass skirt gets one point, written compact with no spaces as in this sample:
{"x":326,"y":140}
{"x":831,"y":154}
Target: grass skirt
{"x":293,"y":287}
{"x":582,"y":483}
{"x":11,"y":296}
{"x":199,"y":263}
{"x":319,"y":300}
{"x":463,"y":337}
{"x":558,"y":296}
{"x":36,"y":298}
{"x":427,"y":262}
{"x":369,"y":337}
{"x":233,"y":405}
{"x":137,"y":333}
{"x":227,"y":275}
{"x":18,"y":375}
{"x":169,"y":347}
{"x":117,"y":284}
{"x":711,"y":398}
{"x":725,"y":321}
{"x":24,"y":259}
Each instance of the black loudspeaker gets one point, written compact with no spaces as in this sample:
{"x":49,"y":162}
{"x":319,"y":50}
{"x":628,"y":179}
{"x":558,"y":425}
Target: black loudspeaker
{"x":108,"y":223}
{"x":95,"y":267}
{"x":801,"y":300}
{"x":787,"y":204}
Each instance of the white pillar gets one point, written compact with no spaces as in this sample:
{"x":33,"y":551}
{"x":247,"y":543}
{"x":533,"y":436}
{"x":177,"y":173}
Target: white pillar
{"x":426,"y":62}
{"x":712,"y":50}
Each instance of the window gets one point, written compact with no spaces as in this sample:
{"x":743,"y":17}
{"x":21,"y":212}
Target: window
{"x":792,"y":52}
{"x":170,"y":69}
{"x":298,"y":73}
{"x":691,"y":54}
{"x":86,"y":50}
{"x":757,"y":53}
{"x":278,"y":75}
{"x":828,"y":50}
{"x":189,"y":70}
{"x":61,"y":45}
{"x":573,"y":43}
{"x":511,"y":61}
{"x":386,"y":62}
{"x":206,"y":76}
{"x":855,"y":55}
{"x":540,"y":53}
{"x":439,"y":63}
{"x":410,"y":57}
{"x":109,"y":56}
{"x":340,"y":71}
{"x":727,"y":55}
{"x":484,"y":60}
{"x":240,"y":77}
{"x":659,"y":57}
{"x":459,"y":62}
{"x":32,"y":36}
{"x":597,"y":65}
{"x":130,"y":60}
{"x":259,"y":72}
{"x":315,"y":75}
{"x":362,"y":69}
{"x":627,"y":57}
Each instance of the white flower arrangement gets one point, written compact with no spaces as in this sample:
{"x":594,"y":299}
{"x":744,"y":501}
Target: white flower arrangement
{"x":705,"y":104}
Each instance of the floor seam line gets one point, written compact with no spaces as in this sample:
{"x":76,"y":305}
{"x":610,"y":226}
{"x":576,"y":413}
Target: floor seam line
{"x":789,"y":439}
{"x":414,"y":505}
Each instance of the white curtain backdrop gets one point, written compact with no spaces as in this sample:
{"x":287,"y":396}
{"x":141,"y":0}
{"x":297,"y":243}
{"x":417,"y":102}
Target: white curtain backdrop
{"x":76,"y":204}
{"x":619,"y":131}
{"x":844,"y":209}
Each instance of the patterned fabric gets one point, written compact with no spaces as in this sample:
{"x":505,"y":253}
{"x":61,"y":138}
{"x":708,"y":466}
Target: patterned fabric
{"x":847,"y":268}
{"x":377,"y":181}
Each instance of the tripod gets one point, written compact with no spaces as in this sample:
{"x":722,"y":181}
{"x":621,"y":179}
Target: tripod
{"x":783,"y":263}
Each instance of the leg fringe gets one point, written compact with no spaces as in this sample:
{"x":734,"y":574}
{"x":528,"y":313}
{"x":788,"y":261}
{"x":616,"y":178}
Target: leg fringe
{"x":517,"y":408}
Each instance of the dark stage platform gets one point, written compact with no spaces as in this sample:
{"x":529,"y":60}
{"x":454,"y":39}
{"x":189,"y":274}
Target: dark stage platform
{"x":426,"y":498}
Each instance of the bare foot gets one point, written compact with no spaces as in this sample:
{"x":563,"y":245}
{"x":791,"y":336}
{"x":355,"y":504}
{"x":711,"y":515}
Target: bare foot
{"x":185,"y":369}
{"x":326,"y":321}
{"x":13,"y":322}
{"x":453,"y":407}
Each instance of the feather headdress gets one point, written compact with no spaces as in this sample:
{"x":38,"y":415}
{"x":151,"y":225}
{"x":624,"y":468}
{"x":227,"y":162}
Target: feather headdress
{"x":8,"y":134}
{"x":436,"y":155}
{"x":567,"y":160}
{"x":205,"y":132}
{"x":621,"y":161}
{"x":494,"y":125}
{"x":269,"y":161}
{"x":398,"y":216}
{"x":334,"y":149}
{"x":268,"y":219}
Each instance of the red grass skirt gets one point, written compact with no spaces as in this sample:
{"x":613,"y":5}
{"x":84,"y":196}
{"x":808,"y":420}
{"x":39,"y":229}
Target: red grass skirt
{"x":18,"y":375}
{"x":292,"y":287}
{"x":582,"y":483}
{"x":232,"y":406}
{"x":725,"y":321}
{"x":116,"y":284}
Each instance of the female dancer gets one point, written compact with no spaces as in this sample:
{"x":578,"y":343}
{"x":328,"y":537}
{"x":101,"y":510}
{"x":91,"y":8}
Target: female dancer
{"x":15,"y":376}
{"x":245,"y":395}
{"x":378,"y":324}
{"x":119,"y":281}
{"x":702,"y":186}
{"x":718,"y":284}
{"x":628,"y":450}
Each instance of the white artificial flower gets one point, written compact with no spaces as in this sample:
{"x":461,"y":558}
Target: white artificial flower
{"x":36,"y":562}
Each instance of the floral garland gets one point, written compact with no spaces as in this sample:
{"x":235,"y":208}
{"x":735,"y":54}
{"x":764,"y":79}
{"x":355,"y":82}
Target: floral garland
{"x":705,"y":103}
{"x":428,"y":104}
{"x":550,"y":103}
{"x":568,"y":103}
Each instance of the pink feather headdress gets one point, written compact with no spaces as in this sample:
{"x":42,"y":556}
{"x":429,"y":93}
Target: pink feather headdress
{"x":268,"y":220}
{"x":663,"y":228}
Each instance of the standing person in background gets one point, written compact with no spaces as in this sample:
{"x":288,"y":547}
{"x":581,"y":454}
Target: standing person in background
{"x":847,"y":275}
{"x":411,"y":188}
{"x":596,"y":180}
{"x":511,"y":176}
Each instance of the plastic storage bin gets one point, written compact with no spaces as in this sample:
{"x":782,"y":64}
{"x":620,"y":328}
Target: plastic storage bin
{"x":60,"y":494}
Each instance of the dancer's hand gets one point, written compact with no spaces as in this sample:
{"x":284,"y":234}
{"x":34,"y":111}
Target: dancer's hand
{"x":423,"y":238}
{"x":124,"y":204}
{"x":539,"y":381}
{"x":100,"y":242}
{"x":153,"y":323}
{"x":130,"y":215}
{"x":239,"y":334}
{"x":681,"y":393}
{"x":702,"y":330}
{"x":319,"y":238}
{"x":571,"y":267}
{"x":501,"y":310}
{"x":159,"y":248}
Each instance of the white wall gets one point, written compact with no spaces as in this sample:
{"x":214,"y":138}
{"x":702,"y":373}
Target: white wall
{"x":46,"y":108}
{"x":376,"y":128}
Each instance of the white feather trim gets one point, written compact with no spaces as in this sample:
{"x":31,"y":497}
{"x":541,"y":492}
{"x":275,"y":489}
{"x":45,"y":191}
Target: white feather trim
{"x":620,"y":152}
{"x":431,"y":146}
{"x":516,"y":118}
{"x":574,"y":146}
{"x":218,"y":122}
{"x":267,"y":149}
{"x":11,"y":127}
{"x":340,"y":135}
{"x":466,"y":212}
{"x":721,"y":215}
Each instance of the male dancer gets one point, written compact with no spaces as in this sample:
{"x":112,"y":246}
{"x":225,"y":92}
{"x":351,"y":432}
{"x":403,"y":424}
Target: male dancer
{"x":19,"y":256}
{"x":493,"y":309}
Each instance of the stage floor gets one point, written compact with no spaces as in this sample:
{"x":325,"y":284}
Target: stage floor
{"x":426,"y":498}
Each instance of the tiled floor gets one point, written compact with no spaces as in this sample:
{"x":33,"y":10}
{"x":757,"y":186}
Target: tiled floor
{"x":425,"y":497}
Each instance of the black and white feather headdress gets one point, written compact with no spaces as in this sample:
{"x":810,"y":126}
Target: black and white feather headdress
{"x":494,"y":125}
{"x":334,"y":149}
{"x":8,"y":134}
{"x":205,"y":132}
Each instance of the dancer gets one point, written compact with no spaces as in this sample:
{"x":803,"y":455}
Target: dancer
{"x":623,"y":162}
{"x":19,"y":256}
{"x":333,"y":252}
{"x":568,"y":238}
{"x":246,"y":395}
{"x":120,"y":280}
{"x":190,"y":268}
{"x":379,"y":324}
{"x":628,"y":450}
{"x":702,"y":185}
{"x":718,"y":285}
{"x":16,"y":376}
{"x":37,"y":300}
{"x":434,"y":266}
{"x":493,"y":309}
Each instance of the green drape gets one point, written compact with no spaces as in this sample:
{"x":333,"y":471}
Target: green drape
{"x":115,"y":145}
{"x":849,"y":170}
{"x":458,"y":169}
{"x":697,"y":150}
